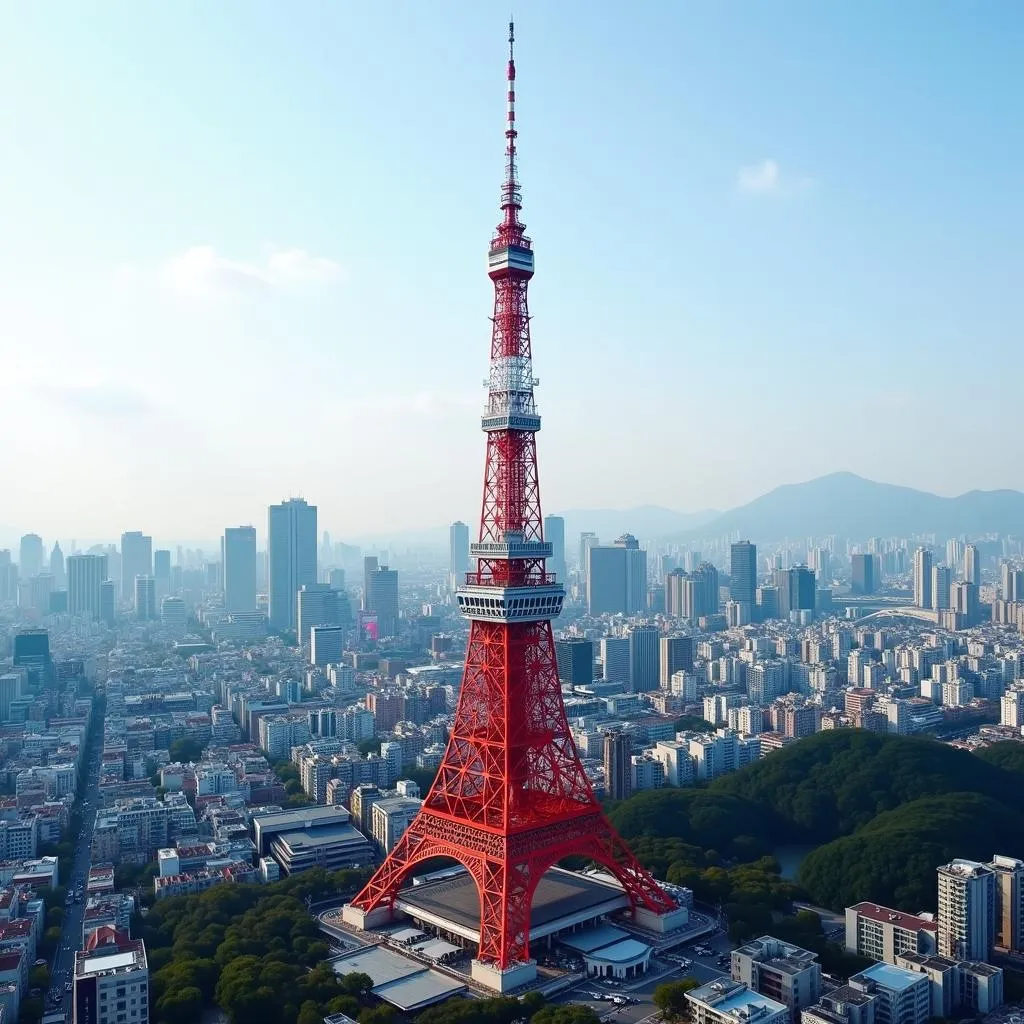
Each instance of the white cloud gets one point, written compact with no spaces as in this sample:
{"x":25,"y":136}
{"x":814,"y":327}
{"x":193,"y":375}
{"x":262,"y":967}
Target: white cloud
{"x":762,"y":177}
{"x":202,"y":271}
{"x":766,"y":178}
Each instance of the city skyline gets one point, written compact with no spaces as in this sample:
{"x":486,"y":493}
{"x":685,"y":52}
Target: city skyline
{"x":253,"y":253}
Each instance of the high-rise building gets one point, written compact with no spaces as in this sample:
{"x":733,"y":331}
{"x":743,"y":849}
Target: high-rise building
{"x":326,"y":644}
{"x":705,"y":591}
{"x":644,"y":658}
{"x":162,"y":572}
{"x":108,"y":602}
{"x":964,"y":600}
{"x":780,"y":970}
{"x":1009,"y":897}
{"x":615,"y":659}
{"x":797,"y":590}
{"x":1011,"y":582}
{"x":617,"y":577}
{"x":458,"y":554}
{"x":136,"y":560}
{"x":370,"y":566}
{"x":145,"y":598}
{"x":60,"y":580}
{"x":31,"y":556}
{"x":967,"y":910}
{"x":318,"y":606}
{"x":554,"y":534}
{"x":743,"y":573}
{"x":923,"y":578}
{"x":587,"y":541}
{"x":291,"y":558}
{"x":575,"y":658}
{"x":863,"y":574}
{"x":972,"y":564}
{"x":86,"y":574}
{"x":382,"y":599}
{"x":954,"y":554}
{"x":676,"y":656}
{"x":239,"y":546}
{"x":942,"y":584}
{"x":618,"y":766}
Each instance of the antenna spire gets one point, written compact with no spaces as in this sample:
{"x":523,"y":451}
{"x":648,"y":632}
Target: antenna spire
{"x":511,"y":197}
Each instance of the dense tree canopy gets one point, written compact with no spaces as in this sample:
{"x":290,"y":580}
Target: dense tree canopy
{"x":1009,"y":755}
{"x":892,"y":859}
{"x":830,"y":784}
{"x":186,"y":748}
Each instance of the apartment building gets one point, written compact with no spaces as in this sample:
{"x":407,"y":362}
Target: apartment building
{"x":391,"y":817}
{"x":111,"y":983}
{"x":967,"y":910}
{"x":726,"y":1002}
{"x":881,"y":934}
{"x":901,"y":996}
{"x":843,"y":1005}
{"x":783,"y":972}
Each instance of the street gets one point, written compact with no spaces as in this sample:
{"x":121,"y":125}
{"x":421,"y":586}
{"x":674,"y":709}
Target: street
{"x":62,"y":970}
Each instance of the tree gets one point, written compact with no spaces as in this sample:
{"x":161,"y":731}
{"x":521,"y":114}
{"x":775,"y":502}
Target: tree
{"x":39,"y":977}
{"x":357,"y":984}
{"x":693,"y":723}
{"x":180,"y":1005}
{"x":369,"y":746}
{"x":382,"y":1014}
{"x":310,"y":1013}
{"x":55,"y":916}
{"x":185,"y":748}
{"x":568,"y":1013}
{"x":670,"y":998}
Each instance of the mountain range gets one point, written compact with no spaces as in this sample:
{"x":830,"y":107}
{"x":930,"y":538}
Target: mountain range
{"x":851,"y":506}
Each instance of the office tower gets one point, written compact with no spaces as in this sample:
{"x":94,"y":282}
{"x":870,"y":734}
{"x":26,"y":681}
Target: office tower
{"x":964,"y":600}
{"x":797,"y":590}
{"x":86,"y":574}
{"x":967,"y":910}
{"x":10,"y":690}
{"x":383,"y":600}
{"x":162,"y":572}
{"x":587,"y":541}
{"x":615,"y":659}
{"x":554,"y":534}
{"x":942,"y":584}
{"x":370,"y":566}
{"x":1007,"y":582}
{"x":35,"y":592}
{"x":575,"y":659}
{"x":743,"y":573}
{"x":145,"y":598}
{"x":31,"y":556}
{"x":326,"y":644}
{"x":336,"y":578}
{"x":618,"y":766}
{"x":705,"y":590}
{"x":318,"y":606}
{"x":617,"y":577}
{"x":923,"y":578}
{"x":458,"y":554}
{"x":819,"y":562}
{"x":644,"y":658}
{"x":108,"y":602}
{"x":863,"y":574}
{"x":8,"y":577}
{"x":676,"y":656}
{"x":60,"y":580}
{"x":291,"y":557}
{"x":972,"y":564}
{"x":1009,"y":903}
{"x":136,"y":560}
{"x":239,"y":547}
{"x":675,"y":587}
{"x":954,"y":554}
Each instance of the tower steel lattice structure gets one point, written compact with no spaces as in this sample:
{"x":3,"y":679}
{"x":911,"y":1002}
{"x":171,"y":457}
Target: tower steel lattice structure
{"x":511,"y":798}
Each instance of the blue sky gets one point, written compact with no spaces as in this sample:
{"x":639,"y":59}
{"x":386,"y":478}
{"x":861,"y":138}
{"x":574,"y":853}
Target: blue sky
{"x":242,"y":253}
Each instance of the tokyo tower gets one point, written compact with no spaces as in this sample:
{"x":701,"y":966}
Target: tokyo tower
{"x":511,"y":798}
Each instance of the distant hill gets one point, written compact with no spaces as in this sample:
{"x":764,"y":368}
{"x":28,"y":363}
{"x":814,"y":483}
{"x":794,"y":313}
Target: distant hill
{"x":850,"y":506}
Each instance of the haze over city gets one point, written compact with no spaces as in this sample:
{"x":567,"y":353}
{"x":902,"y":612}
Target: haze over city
{"x":242,"y":255}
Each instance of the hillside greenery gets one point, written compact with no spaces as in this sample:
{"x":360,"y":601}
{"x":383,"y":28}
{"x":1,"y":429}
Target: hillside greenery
{"x":883,"y":812}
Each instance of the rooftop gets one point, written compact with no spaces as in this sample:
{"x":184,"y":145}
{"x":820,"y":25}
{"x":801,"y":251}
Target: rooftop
{"x":898,"y":918}
{"x":896,"y":979}
{"x":325,"y":835}
{"x":735,"y":1000}
{"x":964,"y":868}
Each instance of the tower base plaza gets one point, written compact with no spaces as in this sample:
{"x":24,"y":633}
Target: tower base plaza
{"x":566,"y":903}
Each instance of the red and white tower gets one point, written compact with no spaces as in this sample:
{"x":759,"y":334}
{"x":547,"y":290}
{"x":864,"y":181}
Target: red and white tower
{"x":511,"y":798}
